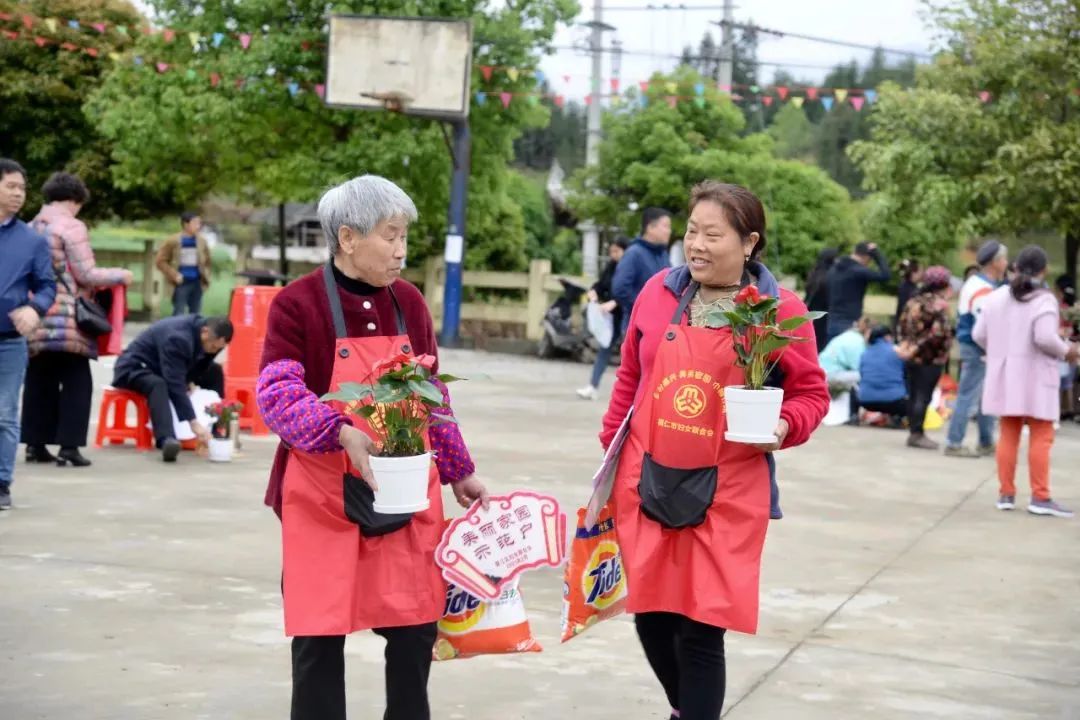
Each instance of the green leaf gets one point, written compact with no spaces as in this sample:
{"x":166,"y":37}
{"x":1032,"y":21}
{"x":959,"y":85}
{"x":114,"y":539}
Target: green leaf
{"x":350,"y":392}
{"x":367,"y":411}
{"x":815,"y":315}
{"x":427,"y":392}
{"x":447,"y":378}
{"x":389,"y":394}
{"x":793,"y":323}
{"x":440,"y":419}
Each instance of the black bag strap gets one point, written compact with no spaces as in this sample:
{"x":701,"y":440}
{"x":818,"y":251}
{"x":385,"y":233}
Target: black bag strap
{"x":684,"y":302}
{"x":337,"y":314}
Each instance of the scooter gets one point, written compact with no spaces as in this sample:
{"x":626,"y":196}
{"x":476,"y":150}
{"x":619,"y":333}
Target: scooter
{"x":565,"y":331}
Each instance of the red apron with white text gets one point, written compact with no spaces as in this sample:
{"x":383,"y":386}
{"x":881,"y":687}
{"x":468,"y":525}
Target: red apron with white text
{"x":677,"y":471}
{"x":335,"y":580}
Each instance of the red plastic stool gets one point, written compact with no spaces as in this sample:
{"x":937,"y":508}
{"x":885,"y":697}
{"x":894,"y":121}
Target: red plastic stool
{"x":116,"y":430}
{"x":250,"y":417}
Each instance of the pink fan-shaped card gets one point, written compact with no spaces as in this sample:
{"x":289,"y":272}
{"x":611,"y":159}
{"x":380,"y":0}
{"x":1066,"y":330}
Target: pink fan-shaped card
{"x":484,"y":550}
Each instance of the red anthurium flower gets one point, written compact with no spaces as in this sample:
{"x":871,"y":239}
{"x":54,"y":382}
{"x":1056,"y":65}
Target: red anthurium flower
{"x":391,"y":364}
{"x":425,"y":361}
{"x":748,"y":294}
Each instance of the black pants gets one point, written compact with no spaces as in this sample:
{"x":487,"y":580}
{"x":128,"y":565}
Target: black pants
{"x":921,"y":381}
{"x":319,"y":674}
{"x":897,"y":408}
{"x":156,"y":390}
{"x":688,"y":659}
{"x":56,"y":400}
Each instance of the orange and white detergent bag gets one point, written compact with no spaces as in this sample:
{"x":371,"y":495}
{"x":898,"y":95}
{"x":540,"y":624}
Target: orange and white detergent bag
{"x":471,"y":626}
{"x":594,"y":585}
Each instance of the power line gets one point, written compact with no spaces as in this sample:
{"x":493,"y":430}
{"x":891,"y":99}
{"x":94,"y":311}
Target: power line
{"x":671,"y":56}
{"x":815,"y":38}
{"x":666,"y":6}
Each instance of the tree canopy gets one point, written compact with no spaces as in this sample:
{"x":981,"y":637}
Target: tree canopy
{"x":247,"y":122}
{"x":986,"y":142}
{"x":654,"y":155}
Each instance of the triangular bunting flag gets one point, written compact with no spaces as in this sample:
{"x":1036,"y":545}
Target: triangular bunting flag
{"x":100,"y":27}
{"x":755,"y":89}
{"x":320,"y":90}
{"x":540,"y":77}
{"x":215,"y":79}
{"x":190,"y":74}
{"x":70,"y":47}
{"x":513,"y":74}
{"x":92,"y":51}
{"x":218,"y":37}
{"x":643,"y":100}
{"x":857,"y":102}
{"x":73,"y":24}
{"x":11,"y":35}
{"x":811,"y":93}
{"x":559,"y":101}
{"x":782,"y":92}
{"x":194,"y":38}
{"x":169,"y":35}
{"x":566,"y":78}
{"x":28,"y":21}
{"x":52,"y":23}
{"x":644,"y":85}
{"x":798,"y":101}
{"x":294,"y":88}
{"x":534,"y":100}
{"x":40,"y":41}
{"x":481,"y":98}
{"x":114,"y":56}
{"x":122,"y":29}
{"x":672,"y":101}
{"x":137,"y":60}
{"x":245,"y":40}
{"x":486,"y":71}
{"x":162,"y":67}
{"x":614,"y":85}
{"x":672,"y":87}
{"x":827,"y":102}
{"x":871,"y":95}
{"x":616,"y":101}
{"x":984,"y":96}
{"x":840,"y":94}
{"x":505,"y":97}
{"x":699,"y":101}
{"x":699,"y":88}
{"x":724,"y":88}
{"x":588,"y":99}
{"x":768,"y":100}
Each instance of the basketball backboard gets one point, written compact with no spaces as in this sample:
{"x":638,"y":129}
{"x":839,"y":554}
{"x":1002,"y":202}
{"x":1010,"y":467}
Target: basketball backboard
{"x":419,"y":66}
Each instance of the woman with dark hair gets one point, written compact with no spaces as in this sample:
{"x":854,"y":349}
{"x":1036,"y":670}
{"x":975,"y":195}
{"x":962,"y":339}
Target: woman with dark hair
{"x":817,"y":293}
{"x":56,"y":396}
{"x":1020,"y":329}
{"x":693,"y":557}
{"x":924,"y":325}
{"x":601,"y":293}
{"x":910,"y":276}
{"x":882,"y":383}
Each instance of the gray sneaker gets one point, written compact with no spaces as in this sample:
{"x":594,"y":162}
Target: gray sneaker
{"x":959,"y":451}
{"x":1048,"y":507}
{"x":922,"y":442}
{"x":1006,"y":502}
{"x":988,"y":450}
{"x":5,"y":497}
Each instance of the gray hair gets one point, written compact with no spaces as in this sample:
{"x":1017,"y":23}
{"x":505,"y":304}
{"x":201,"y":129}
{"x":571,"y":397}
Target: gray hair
{"x":361,"y":204}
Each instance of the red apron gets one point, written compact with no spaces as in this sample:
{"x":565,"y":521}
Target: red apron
{"x":691,"y":508}
{"x":336,"y":581}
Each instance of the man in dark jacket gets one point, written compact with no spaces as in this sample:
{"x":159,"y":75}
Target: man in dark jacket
{"x":161,"y":363}
{"x":847,"y":281}
{"x":647,"y":256}
{"x":27,"y":291}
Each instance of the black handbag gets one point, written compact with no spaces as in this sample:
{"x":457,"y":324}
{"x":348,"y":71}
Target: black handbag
{"x":90,"y":318}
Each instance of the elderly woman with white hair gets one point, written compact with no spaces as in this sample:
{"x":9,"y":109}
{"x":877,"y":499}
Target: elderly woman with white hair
{"x":349,"y":570}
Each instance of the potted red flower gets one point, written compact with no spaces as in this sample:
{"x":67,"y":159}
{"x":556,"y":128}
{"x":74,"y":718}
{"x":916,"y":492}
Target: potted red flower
{"x":753,"y":410}
{"x":225,"y":415}
{"x":397,"y":406}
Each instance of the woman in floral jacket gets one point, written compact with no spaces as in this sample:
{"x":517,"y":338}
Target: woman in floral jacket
{"x":56,"y":396}
{"x":925,"y":326}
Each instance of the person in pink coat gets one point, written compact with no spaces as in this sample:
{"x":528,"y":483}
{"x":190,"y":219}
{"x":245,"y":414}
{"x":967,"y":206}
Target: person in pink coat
{"x":1019,"y":329}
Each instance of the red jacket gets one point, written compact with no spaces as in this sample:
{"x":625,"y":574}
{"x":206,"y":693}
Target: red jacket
{"x":806,"y":394}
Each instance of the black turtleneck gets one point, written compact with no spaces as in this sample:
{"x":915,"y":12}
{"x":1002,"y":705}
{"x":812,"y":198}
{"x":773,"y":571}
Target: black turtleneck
{"x":350,"y":285}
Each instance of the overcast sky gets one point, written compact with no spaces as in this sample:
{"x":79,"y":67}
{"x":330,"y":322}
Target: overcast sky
{"x":891,"y":23}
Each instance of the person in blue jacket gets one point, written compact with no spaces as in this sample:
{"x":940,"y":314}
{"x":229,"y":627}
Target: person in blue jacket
{"x":27,"y":291}
{"x":882,"y":385}
{"x":647,"y":256}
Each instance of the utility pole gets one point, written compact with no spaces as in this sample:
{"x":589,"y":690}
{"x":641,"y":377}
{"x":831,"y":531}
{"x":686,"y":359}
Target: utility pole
{"x":590,"y":242}
{"x":727,"y":48}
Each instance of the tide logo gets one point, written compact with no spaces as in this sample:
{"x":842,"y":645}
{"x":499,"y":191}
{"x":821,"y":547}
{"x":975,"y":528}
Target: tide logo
{"x":603,"y":583}
{"x":689,"y":401}
{"x":461,"y":613}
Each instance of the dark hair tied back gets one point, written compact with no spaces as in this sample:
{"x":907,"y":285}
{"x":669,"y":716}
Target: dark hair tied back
{"x":1030,"y":263}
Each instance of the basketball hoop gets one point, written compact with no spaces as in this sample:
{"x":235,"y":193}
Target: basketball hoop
{"x":392,"y":101}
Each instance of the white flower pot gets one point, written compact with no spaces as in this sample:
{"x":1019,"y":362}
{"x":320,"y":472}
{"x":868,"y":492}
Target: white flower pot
{"x":403,"y":484}
{"x":752,"y":415}
{"x":220,"y":450}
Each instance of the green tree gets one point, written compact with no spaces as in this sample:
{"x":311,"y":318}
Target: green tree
{"x":43,"y":89}
{"x":795,"y":137}
{"x":654,"y":155}
{"x":947,"y":162}
{"x":562,"y":139}
{"x":271,"y":138}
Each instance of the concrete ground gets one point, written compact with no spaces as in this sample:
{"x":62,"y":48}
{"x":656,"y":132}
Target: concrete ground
{"x":892,"y":589}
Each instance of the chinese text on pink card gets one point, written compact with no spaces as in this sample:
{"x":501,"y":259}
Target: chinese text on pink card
{"x":484,"y":550}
